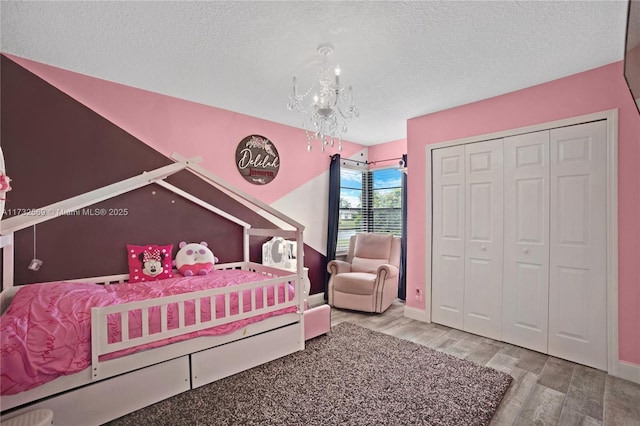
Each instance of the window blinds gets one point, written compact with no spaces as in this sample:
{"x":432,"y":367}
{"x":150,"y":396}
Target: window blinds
{"x":370,"y":201}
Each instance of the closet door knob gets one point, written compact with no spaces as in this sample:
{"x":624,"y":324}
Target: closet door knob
{"x":525,"y":250}
{"x":483,"y":247}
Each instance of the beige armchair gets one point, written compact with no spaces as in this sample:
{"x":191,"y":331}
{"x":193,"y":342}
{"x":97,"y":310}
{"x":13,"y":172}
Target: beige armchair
{"x":368,"y":279}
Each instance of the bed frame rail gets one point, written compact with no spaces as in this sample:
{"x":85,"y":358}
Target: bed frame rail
{"x":213,"y":297}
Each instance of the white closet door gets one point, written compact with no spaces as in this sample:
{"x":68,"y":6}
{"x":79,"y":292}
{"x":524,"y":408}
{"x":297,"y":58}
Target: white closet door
{"x":526,"y":240}
{"x":577,"y":287}
{"x":484,"y":239}
{"x":448,"y":236}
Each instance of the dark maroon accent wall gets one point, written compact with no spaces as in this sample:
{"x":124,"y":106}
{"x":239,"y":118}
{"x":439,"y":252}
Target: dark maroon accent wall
{"x":56,"y":148}
{"x":316,"y":263}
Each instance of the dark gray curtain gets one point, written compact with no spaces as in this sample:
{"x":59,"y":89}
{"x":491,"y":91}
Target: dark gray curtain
{"x":402,"y":275}
{"x":334,"y":211}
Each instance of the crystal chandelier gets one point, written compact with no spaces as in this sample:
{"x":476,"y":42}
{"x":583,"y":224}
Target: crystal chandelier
{"x":325,"y":116}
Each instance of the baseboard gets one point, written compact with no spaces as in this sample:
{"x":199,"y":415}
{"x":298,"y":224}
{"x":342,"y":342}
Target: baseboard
{"x":629,"y":371}
{"x":416,"y":314}
{"x":316,"y":299}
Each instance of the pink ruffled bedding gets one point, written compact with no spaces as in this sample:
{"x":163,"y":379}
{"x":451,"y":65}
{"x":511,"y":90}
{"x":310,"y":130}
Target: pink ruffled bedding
{"x":46,"y":331}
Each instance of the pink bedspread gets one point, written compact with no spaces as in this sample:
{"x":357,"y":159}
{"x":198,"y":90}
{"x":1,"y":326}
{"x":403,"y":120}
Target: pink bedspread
{"x":46,"y":332}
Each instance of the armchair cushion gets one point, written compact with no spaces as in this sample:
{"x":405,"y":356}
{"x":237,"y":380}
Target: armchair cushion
{"x":371,"y":251}
{"x":373,"y":246}
{"x":355,"y":283}
{"x":360,"y":264}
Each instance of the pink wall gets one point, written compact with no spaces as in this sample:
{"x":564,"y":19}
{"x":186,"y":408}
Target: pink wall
{"x":169,"y":125}
{"x":596,"y":90}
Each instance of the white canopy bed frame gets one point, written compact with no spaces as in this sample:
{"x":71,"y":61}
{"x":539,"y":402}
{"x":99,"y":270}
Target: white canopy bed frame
{"x":110,"y":389}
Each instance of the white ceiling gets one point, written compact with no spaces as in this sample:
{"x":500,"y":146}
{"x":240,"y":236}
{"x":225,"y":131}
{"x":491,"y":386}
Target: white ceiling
{"x":403,"y":59}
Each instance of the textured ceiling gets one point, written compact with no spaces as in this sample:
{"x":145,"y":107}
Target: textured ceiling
{"x":403,"y":59}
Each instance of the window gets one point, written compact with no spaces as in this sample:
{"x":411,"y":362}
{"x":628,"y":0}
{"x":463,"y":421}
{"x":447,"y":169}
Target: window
{"x":386,"y":205}
{"x":350,"y":219}
{"x":370,"y":201}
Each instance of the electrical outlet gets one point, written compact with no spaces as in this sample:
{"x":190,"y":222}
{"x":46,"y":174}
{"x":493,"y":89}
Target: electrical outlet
{"x":418,"y":295}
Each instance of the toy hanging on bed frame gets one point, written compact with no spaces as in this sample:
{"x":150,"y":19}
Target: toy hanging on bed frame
{"x":195,"y":259}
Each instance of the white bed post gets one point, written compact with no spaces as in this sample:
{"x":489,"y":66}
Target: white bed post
{"x":96,"y":338}
{"x":6,"y":242}
{"x":8,"y":290}
{"x":300,"y":288}
{"x":300,"y":264}
{"x":245,"y":243}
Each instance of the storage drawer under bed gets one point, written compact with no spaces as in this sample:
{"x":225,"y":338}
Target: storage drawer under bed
{"x":111,"y":398}
{"x":216,"y":363}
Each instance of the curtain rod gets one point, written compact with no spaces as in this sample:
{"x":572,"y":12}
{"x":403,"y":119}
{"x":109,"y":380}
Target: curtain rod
{"x":366,"y":162}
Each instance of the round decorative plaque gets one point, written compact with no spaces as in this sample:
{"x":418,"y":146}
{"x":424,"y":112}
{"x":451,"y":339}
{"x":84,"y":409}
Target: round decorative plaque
{"x":257,"y":159}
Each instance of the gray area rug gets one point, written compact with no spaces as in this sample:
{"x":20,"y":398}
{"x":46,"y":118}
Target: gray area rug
{"x":352,"y":376}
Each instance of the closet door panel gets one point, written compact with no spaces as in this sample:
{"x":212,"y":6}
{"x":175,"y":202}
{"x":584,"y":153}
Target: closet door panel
{"x":526,"y":243}
{"x":577,"y":287}
{"x":484,"y":238}
{"x":448,"y":236}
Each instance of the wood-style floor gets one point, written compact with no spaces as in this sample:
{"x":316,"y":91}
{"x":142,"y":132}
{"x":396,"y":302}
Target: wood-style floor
{"x":545,"y":390}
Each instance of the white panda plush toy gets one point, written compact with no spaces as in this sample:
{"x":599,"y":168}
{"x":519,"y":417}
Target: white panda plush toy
{"x":194,"y":259}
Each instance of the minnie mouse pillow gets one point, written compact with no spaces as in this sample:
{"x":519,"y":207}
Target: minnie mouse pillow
{"x":149,"y":263}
